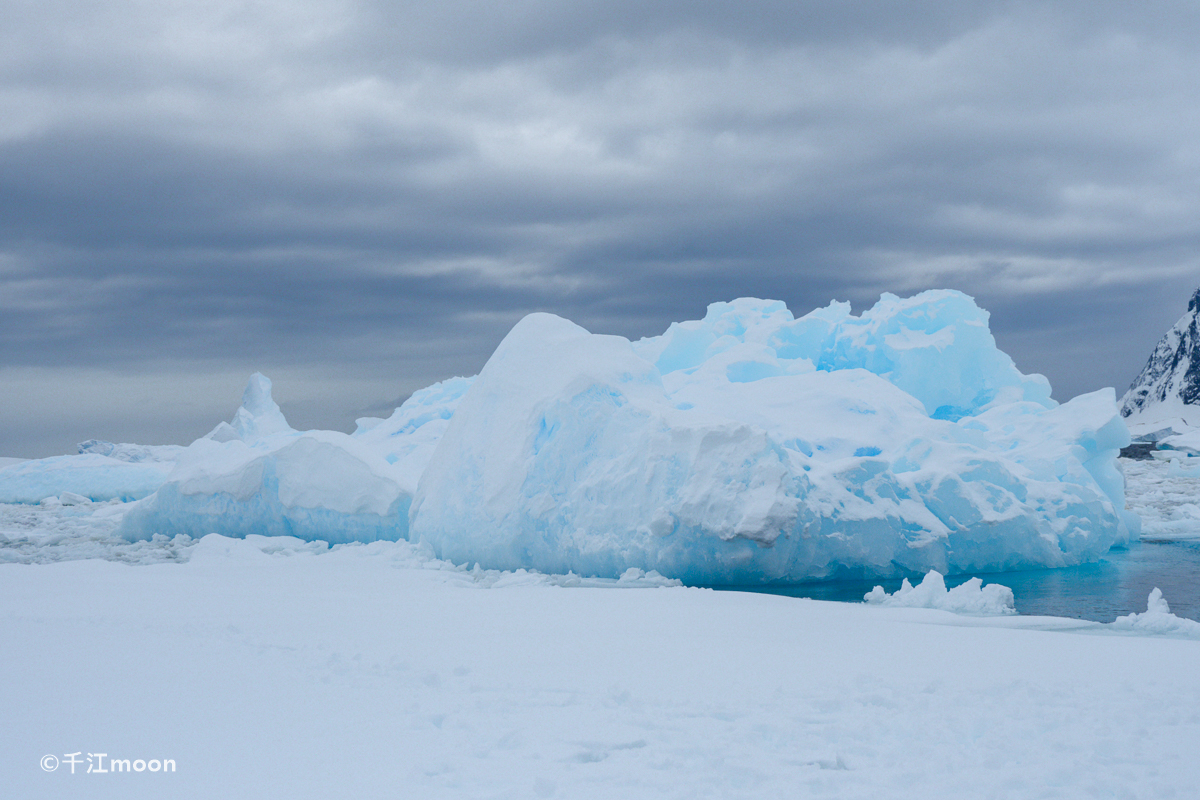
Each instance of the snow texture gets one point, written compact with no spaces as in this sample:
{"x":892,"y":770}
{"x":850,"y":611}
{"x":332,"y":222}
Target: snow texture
{"x":752,"y":447}
{"x":971,"y":597}
{"x":272,"y":667}
{"x":1167,"y":391}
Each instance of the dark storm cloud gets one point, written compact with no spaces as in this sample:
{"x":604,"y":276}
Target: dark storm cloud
{"x":363,"y":197}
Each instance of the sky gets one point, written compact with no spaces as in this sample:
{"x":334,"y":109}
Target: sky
{"x":361,"y":198}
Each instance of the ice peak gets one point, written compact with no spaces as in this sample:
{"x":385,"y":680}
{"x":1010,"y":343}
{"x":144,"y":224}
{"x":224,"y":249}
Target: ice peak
{"x":256,"y":399}
{"x":258,"y":417}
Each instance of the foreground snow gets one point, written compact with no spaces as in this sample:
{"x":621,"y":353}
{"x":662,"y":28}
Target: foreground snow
{"x":277,"y":668}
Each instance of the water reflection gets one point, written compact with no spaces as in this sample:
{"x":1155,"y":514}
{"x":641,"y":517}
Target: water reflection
{"x":1112,"y":587}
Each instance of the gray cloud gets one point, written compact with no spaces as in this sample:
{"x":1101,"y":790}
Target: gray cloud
{"x":362,"y":197}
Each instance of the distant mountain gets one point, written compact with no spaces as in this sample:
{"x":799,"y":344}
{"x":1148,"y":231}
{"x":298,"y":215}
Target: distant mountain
{"x":1168,"y":388}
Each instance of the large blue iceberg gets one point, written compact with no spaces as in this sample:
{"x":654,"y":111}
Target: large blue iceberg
{"x":753,"y":447}
{"x":746,"y":447}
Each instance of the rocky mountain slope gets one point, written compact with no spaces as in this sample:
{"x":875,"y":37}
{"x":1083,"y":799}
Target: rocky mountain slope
{"x":1168,"y":388}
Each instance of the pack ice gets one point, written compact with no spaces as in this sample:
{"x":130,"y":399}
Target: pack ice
{"x":753,"y":447}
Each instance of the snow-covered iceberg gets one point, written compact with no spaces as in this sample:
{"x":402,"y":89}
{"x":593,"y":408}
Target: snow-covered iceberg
{"x":256,"y":475}
{"x":753,"y":447}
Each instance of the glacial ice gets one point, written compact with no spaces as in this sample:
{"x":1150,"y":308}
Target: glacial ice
{"x":91,"y":475}
{"x":256,"y":475}
{"x":971,"y":597}
{"x":746,"y":447}
{"x":751,"y":447}
{"x":1158,"y":619}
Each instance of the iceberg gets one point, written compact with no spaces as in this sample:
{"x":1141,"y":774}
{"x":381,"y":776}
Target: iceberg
{"x":971,"y":597}
{"x":747,"y":447}
{"x":1158,"y":619}
{"x":754,"y":447}
{"x":101,"y":471}
{"x":256,"y":475}
{"x":92,"y":475}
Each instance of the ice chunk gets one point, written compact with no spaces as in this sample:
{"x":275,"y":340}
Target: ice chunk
{"x":407,"y":438}
{"x":750,"y":447}
{"x":319,"y":485}
{"x":314,"y":485}
{"x":259,"y":416}
{"x":936,"y":346}
{"x":224,"y":432}
{"x":93,"y":476}
{"x":133,"y":453}
{"x":1158,"y":619}
{"x":971,"y":597}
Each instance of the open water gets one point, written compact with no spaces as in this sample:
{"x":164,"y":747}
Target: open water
{"x":1116,"y":585}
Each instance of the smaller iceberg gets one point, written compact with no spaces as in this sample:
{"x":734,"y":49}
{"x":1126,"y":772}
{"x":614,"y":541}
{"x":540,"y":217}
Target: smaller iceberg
{"x":1158,"y":619}
{"x":91,"y":475}
{"x":971,"y":597}
{"x":257,"y":475}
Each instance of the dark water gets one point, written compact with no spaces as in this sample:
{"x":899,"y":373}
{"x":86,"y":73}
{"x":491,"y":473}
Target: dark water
{"x":1115,"y":586}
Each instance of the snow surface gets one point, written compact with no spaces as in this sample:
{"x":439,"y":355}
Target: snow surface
{"x":273,"y":667}
{"x":752,"y":447}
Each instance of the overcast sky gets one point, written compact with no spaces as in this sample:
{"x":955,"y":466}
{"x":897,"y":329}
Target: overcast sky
{"x":360,"y":198}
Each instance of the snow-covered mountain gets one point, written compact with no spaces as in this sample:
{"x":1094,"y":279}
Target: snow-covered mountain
{"x":1167,"y":392}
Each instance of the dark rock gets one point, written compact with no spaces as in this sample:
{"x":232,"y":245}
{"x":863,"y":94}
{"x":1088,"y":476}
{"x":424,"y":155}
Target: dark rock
{"x":1139,"y":451}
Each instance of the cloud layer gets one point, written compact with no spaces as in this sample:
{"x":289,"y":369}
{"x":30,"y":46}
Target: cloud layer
{"x":365,"y":196}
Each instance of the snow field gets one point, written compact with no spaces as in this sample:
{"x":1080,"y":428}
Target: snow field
{"x":373,"y":671}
